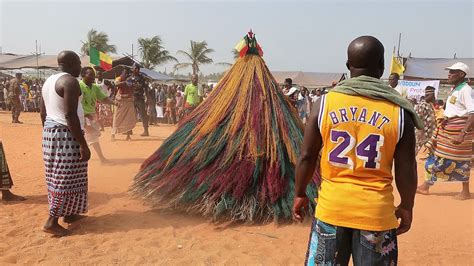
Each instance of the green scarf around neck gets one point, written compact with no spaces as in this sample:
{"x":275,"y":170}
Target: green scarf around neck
{"x":376,"y":89}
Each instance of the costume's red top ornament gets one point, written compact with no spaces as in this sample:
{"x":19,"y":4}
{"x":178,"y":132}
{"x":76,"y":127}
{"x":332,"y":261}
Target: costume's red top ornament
{"x":248,"y":45}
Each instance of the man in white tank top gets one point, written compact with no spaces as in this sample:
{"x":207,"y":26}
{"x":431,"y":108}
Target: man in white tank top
{"x":65,"y":151}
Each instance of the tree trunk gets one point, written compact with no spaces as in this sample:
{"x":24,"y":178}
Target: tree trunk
{"x":194,"y":69}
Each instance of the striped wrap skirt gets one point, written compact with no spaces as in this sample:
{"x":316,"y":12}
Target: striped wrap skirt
{"x":448,"y":161}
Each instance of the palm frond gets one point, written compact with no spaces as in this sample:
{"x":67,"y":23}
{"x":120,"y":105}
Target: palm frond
{"x":197,"y":54}
{"x":185,"y":54}
{"x":98,"y":40}
{"x":182,"y":65}
{"x":152,"y":52}
{"x":235,"y":53}
{"x":224,"y":64}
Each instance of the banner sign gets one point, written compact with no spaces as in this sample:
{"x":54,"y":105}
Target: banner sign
{"x":416,"y":88}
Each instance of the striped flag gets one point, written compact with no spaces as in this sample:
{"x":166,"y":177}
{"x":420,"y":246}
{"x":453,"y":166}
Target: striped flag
{"x":100,"y":59}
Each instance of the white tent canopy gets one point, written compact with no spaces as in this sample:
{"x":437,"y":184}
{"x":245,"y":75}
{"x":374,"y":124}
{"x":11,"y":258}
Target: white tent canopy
{"x":433,"y":68}
{"x":309,"y":79}
{"x":8,"y":61}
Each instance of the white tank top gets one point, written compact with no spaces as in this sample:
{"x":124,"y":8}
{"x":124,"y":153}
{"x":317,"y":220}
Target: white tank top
{"x":55,"y":107}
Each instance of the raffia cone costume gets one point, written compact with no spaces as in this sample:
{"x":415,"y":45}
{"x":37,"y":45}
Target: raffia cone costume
{"x":233,"y":158}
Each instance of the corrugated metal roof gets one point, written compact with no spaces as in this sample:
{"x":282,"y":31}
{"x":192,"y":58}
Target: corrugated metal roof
{"x":29,"y":61}
{"x":309,"y":79}
{"x":153,"y":75}
{"x":9,"y":61}
{"x":7,"y":57}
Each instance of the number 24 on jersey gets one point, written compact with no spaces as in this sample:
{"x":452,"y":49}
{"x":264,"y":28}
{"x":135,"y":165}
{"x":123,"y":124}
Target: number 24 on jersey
{"x":367,"y":150}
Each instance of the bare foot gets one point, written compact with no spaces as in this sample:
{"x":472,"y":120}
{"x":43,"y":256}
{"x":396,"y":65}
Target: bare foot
{"x":462,"y":196}
{"x":55,"y":230}
{"x":73,"y":218}
{"x":423,"y":189}
{"x":8,"y":196}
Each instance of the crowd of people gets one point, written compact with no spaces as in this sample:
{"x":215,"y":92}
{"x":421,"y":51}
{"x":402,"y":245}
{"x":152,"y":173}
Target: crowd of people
{"x":302,"y":98}
{"x":20,"y":95}
{"x":360,"y":128}
{"x":75,"y":106}
{"x":156,"y":103}
{"x":446,"y":138}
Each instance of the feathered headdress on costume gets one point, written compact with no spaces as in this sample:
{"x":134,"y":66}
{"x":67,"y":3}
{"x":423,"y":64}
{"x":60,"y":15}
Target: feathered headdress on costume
{"x":249,"y":45}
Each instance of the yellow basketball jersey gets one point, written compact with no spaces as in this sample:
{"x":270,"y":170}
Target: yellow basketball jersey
{"x":359,"y":139}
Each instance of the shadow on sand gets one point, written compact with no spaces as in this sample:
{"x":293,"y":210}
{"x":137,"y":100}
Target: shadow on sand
{"x":95,"y":199}
{"x":447,"y":194}
{"x":144,"y":139}
{"x":126,"y":161}
{"x":127,"y":220}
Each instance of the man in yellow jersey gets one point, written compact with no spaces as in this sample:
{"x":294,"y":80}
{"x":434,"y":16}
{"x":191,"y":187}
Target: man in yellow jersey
{"x":361,"y":126}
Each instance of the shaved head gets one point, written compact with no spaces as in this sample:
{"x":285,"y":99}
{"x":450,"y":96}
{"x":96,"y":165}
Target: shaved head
{"x":69,"y":62}
{"x":66,"y":57}
{"x":365,"y":56}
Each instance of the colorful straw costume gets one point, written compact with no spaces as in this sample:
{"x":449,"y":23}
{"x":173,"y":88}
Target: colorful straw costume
{"x":232,"y":158}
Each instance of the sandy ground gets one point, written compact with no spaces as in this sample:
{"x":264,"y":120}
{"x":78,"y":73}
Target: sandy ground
{"x":121,"y":230}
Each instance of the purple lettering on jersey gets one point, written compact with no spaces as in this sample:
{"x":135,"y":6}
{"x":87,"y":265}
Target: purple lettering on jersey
{"x":363,"y":115}
{"x":375,"y":117}
{"x":334,"y":119}
{"x":353,"y":112}
{"x":368,"y":150}
{"x":343,"y":113}
{"x":334,"y":154}
{"x":385,"y":120}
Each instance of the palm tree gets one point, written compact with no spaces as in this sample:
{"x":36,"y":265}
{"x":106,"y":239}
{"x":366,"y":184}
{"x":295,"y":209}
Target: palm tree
{"x":98,"y":40}
{"x":236,"y":55}
{"x":197,"y":55}
{"x":153,"y":53}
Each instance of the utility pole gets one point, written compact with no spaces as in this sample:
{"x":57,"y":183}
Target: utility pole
{"x":399,"y":42}
{"x":37,"y":54}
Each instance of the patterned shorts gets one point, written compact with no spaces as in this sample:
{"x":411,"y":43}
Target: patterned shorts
{"x":446,"y":170}
{"x":334,"y":245}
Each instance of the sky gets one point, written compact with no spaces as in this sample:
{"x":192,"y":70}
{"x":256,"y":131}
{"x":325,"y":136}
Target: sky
{"x":295,"y":35}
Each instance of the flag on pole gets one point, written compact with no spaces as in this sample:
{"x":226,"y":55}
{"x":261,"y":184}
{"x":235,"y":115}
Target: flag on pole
{"x":396,"y":66}
{"x":100,"y":59}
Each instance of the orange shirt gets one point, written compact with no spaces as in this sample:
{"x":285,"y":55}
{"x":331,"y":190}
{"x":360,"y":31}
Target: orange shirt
{"x":359,"y":139}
